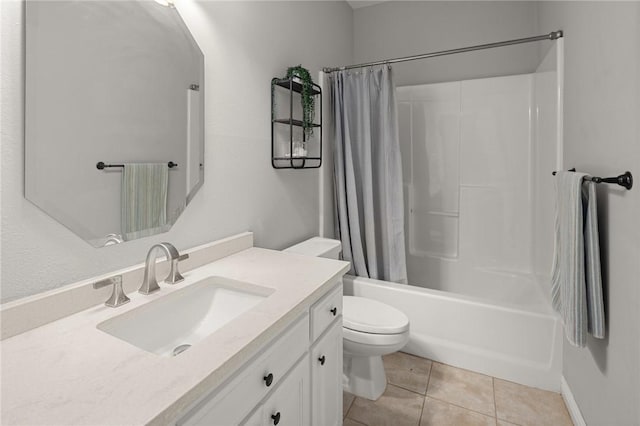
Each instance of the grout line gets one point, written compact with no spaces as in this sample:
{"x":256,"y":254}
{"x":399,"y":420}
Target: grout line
{"x":464,"y":408}
{"x":424,"y":402}
{"x":407,"y":389}
{"x":353,"y":401}
{"x":426,"y":391}
{"x":495,"y":404}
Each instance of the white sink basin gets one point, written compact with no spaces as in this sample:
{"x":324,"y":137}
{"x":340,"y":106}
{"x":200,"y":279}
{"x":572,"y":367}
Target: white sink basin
{"x":173,"y":323}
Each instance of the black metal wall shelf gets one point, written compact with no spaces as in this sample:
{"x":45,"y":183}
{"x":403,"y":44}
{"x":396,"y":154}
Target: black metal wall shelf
{"x":283,"y":130}
{"x":288,"y":83}
{"x":293,"y":121}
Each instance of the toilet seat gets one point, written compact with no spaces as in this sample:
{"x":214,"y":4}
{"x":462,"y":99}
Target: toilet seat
{"x":364,"y":316}
{"x":374,"y":339}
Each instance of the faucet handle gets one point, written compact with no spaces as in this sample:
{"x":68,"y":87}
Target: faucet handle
{"x":175,"y":276}
{"x":118,"y":297}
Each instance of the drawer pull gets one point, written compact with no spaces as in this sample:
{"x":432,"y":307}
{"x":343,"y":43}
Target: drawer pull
{"x":322,"y":360}
{"x":268,"y":379}
{"x":276,"y":418}
{"x":334,"y":311}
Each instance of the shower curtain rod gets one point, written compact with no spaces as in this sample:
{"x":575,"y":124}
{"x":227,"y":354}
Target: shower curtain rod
{"x":554,"y":35}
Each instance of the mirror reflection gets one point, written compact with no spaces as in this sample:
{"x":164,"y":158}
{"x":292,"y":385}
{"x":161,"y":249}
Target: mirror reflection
{"x":114,"y":116}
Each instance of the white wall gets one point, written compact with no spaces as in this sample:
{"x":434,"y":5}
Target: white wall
{"x":602,"y":137}
{"x":245,"y":44}
{"x":404,"y":28}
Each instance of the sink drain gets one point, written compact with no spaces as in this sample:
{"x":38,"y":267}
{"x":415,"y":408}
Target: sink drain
{"x":179,"y":349}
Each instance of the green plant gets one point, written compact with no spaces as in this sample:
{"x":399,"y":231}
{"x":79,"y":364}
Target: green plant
{"x":306,"y":97}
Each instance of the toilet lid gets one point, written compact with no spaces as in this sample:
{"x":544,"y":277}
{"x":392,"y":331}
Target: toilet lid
{"x":370,"y":316}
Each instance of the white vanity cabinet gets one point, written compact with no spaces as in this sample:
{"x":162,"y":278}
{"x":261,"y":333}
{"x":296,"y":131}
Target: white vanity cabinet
{"x":296,"y":378}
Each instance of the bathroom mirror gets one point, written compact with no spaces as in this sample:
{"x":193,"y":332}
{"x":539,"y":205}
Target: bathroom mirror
{"x":117,"y":82}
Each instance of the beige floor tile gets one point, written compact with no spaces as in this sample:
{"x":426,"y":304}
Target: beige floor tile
{"x":407,"y":371}
{"x":504,"y":423}
{"x":529,"y":406}
{"x":464,"y":388}
{"x":347,"y":400}
{"x":396,"y":407}
{"x":438,"y":413}
{"x":350,"y":422}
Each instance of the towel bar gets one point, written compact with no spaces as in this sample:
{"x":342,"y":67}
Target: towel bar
{"x":102,"y":166}
{"x":625,"y":179}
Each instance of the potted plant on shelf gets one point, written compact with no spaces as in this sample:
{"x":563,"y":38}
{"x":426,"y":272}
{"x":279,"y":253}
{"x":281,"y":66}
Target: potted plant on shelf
{"x":301,"y":75}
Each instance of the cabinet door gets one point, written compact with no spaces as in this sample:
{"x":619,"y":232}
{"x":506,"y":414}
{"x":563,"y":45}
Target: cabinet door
{"x":289,"y":403}
{"x":326,"y":378}
{"x":254,"y":419}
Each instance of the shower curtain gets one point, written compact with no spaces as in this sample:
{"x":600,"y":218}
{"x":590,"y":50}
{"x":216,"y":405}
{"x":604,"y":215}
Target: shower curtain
{"x":368,"y":173}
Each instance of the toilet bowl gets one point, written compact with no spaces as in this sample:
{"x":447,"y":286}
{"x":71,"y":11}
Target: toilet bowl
{"x":370,"y":328}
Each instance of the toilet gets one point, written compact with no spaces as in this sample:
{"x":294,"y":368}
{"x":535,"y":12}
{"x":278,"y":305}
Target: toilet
{"x":370,"y":328}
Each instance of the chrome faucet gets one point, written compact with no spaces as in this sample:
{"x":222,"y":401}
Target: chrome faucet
{"x":150,"y":283}
{"x":118,"y":297}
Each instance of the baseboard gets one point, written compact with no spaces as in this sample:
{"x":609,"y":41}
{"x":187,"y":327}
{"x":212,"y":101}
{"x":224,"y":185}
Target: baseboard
{"x":572,"y":406}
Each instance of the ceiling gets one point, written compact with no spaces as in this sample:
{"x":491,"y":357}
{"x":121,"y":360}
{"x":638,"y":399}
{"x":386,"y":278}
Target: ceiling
{"x":356,"y":4}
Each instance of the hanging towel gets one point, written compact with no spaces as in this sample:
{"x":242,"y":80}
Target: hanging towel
{"x":576,"y":283}
{"x":144,"y":199}
{"x":595,"y":301}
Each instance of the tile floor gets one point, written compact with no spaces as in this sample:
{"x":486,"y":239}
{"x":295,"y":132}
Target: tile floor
{"x":421,"y":392}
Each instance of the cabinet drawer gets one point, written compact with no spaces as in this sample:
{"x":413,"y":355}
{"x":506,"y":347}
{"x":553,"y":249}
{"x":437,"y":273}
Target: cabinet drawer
{"x":325,"y":310}
{"x":232,"y":402}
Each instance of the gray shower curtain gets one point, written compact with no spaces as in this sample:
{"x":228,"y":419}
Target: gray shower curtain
{"x":368,"y":173}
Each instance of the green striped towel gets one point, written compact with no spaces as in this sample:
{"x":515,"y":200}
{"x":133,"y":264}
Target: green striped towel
{"x":144,"y":199}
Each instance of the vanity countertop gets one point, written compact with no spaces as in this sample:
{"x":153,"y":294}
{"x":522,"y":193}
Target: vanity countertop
{"x":70,"y":373}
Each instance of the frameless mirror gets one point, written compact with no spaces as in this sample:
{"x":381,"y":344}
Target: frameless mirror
{"x":119,"y":83}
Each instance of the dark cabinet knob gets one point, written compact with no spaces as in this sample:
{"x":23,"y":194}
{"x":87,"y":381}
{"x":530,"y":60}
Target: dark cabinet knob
{"x":276,"y":418}
{"x":322,"y":360}
{"x":268,"y":379}
{"x":334,"y":311}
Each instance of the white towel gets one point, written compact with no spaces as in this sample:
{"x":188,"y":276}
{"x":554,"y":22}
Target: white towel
{"x":144,"y":199}
{"x":576,"y":284}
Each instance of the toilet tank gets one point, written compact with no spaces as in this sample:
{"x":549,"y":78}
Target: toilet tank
{"x":319,"y":247}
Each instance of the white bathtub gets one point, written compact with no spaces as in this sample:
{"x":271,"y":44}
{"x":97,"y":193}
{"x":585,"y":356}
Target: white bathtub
{"x":519,"y":339}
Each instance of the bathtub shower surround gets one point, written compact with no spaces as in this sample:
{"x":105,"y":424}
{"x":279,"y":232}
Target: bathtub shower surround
{"x":468,"y":183}
{"x":477,"y":160}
